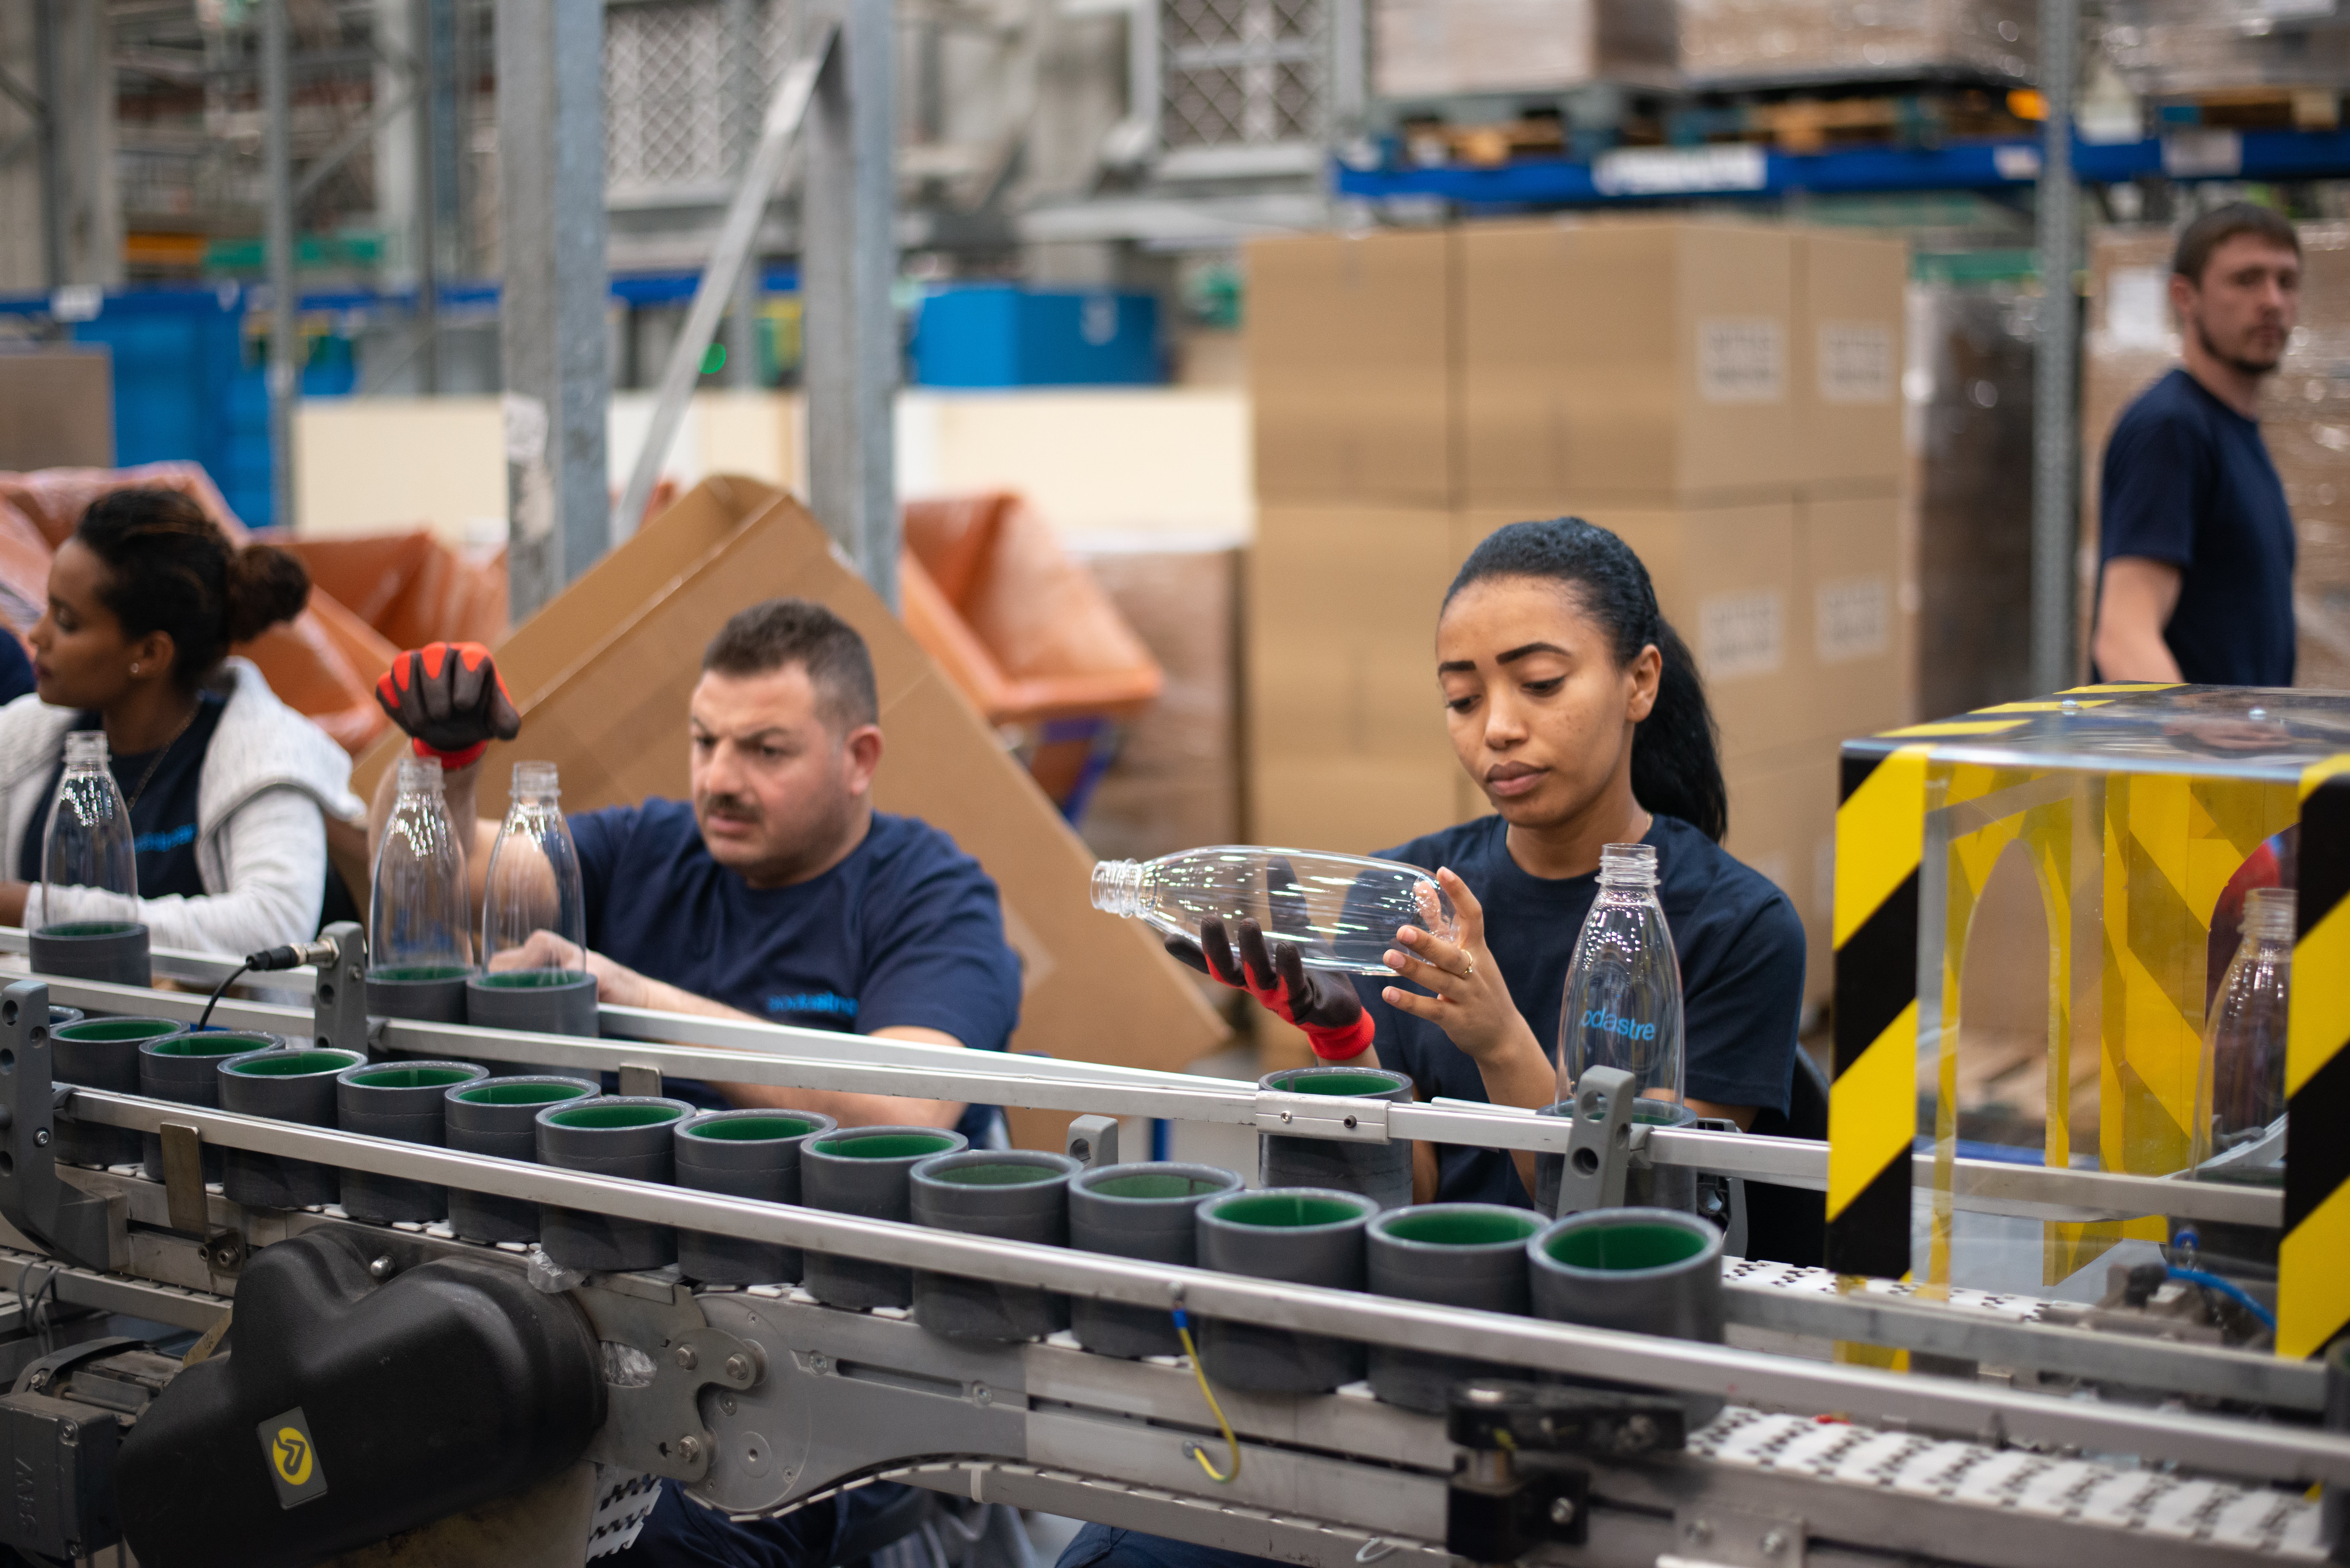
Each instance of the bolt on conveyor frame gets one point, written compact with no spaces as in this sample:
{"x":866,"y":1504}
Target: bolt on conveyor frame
{"x":1049,"y":1425}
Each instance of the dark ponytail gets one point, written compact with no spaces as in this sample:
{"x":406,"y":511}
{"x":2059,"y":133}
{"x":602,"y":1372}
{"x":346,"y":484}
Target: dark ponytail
{"x":170,"y":568}
{"x":1676,"y":756}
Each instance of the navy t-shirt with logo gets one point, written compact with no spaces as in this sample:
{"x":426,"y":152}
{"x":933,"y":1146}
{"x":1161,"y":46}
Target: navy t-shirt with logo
{"x":907,"y":930}
{"x":1739,"y":941}
{"x":161,"y":787}
{"x":2187,"y":482}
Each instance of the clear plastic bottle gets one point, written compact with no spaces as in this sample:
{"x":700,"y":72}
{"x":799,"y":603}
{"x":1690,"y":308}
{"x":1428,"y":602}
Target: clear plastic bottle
{"x":2239,"y":1094}
{"x":89,"y":873}
{"x":419,"y":920}
{"x":1340,"y":911}
{"x":1623,"y":1003}
{"x":533,"y":887}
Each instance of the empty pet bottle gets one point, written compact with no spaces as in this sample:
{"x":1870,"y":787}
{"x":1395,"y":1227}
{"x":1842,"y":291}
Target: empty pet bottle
{"x":88,"y":926}
{"x":534,"y":920}
{"x":419,"y":919}
{"x":1340,"y":911}
{"x":2240,"y":1095}
{"x":1623,"y":1003}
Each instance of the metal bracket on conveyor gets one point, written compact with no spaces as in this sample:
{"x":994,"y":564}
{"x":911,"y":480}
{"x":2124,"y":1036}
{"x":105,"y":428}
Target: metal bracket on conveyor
{"x":1598,"y":1142}
{"x":1322,"y":1116}
{"x":1720,"y":1198}
{"x":60,"y":1217}
{"x":660,"y":1353}
{"x":339,"y":1004}
{"x":1093,"y":1141}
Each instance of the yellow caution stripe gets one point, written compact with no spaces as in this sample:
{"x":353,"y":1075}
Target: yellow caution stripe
{"x":2314,"y":1258}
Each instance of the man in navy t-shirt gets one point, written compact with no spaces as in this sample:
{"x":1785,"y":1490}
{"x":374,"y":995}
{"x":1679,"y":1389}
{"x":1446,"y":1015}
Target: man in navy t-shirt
{"x":2194,"y":534}
{"x":776,"y":893}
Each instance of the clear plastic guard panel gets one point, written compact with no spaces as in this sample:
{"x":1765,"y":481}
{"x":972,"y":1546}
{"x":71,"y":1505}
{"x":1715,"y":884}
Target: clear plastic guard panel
{"x":2075,"y":871}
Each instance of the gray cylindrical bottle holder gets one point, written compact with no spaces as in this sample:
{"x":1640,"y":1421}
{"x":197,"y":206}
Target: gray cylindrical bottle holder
{"x":427,"y":995}
{"x":743,"y":1154}
{"x":1013,"y":1195}
{"x":61,"y":1016}
{"x":499,"y":1116}
{"x":1646,"y":1271}
{"x":530,"y":1000}
{"x":629,"y":1135}
{"x":1307,"y":1236}
{"x":863,"y":1171}
{"x":185,"y":1069}
{"x":111,"y":953}
{"x":1148,"y":1211}
{"x":1454,"y":1254}
{"x":1377,"y":1170}
{"x":2333,"y":1516}
{"x":1645,"y":1186}
{"x":100,"y":1053}
{"x":398,"y":1100}
{"x":296,"y":1086}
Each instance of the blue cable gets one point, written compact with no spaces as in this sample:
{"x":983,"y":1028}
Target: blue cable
{"x":2229,"y":1289}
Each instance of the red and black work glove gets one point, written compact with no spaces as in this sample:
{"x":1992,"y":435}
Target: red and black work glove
{"x":1326,"y":1008}
{"x":450,"y":698}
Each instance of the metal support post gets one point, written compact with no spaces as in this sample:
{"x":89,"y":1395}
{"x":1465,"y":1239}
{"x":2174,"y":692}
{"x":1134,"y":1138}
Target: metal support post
{"x":424,"y":48}
{"x":551,"y":314}
{"x":48,"y":79}
{"x":739,"y":22}
{"x":285,"y":373}
{"x":849,"y":264}
{"x":2056,"y":415}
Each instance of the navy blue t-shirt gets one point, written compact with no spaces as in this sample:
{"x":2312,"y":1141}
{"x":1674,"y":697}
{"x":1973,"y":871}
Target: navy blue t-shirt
{"x":905,"y":932}
{"x":2187,"y":480}
{"x":15,"y":669}
{"x":1739,"y":943}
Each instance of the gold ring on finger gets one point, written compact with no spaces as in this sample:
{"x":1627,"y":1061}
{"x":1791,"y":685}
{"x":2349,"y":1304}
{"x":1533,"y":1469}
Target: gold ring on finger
{"x":1470,"y":972}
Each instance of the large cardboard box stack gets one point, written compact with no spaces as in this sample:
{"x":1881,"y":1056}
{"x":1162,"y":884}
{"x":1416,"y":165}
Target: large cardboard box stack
{"x":2133,"y":340}
{"x":1724,"y":395}
{"x":1751,"y":40}
{"x":1432,"y":48}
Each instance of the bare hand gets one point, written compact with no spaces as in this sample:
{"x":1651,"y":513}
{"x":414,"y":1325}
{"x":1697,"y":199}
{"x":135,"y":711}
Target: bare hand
{"x":615,"y":982}
{"x":1472,"y":1003}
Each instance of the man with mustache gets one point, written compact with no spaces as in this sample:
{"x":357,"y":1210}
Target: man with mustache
{"x":2195,"y":536}
{"x":778,"y":893}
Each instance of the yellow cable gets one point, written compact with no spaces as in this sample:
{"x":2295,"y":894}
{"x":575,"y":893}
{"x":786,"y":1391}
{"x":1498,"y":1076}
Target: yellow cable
{"x":1222,"y":1478}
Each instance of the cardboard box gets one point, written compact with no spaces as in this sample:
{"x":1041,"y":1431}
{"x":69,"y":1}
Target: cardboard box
{"x":1726,"y":578}
{"x":1350,"y":347}
{"x":1626,"y":361}
{"x":1353,"y":806}
{"x":1430,"y":48}
{"x":57,"y":409}
{"x":602,"y":677}
{"x":1341,"y":633}
{"x":1849,"y":314}
{"x":1854,"y":649}
{"x":1783,"y":823}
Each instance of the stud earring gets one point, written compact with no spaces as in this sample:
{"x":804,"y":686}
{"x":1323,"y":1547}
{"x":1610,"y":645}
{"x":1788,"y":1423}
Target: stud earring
{"x":134,"y":669}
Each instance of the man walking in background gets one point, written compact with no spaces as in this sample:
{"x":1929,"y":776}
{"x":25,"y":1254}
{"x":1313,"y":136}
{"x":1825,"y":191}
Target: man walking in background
{"x":2196,"y":543}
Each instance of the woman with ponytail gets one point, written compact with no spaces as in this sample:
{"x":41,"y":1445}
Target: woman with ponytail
{"x":227,"y":786}
{"x":1576,"y":707}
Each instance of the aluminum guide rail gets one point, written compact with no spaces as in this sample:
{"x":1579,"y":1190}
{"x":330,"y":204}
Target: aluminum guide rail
{"x":2219,"y":1445}
{"x":779,"y":1056}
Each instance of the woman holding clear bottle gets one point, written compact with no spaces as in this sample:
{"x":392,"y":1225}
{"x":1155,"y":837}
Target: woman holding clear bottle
{"x":1577,"y":708}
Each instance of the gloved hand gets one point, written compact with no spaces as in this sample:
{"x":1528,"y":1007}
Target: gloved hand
{"x":450,"y":699}
{"x":1323,"y":1007}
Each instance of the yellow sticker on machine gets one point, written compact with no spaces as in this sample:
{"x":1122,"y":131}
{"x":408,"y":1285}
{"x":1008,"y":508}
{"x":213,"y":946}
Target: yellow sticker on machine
{"x":291,"y":1454}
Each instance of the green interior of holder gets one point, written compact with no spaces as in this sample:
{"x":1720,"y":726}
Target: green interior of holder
{"x":1360,"y":1085}
{"x":87,"y":928}
{"x":420,"y":971}
{"x":212,"y":1045}
{"x":1155,"y":1184}
{"x":997,"y":1173}
{"x":1474,"y":1228}
{"x":530,"y":979}
{"x":110,"y":1028}
{"x":1632,"y":1245}
{"x":296,"y":1064}
{"x":887,"y":1145}
{"x":413,"y":1078}
{"x":522,"y":1094}
{"x":1286,"y":1210}
{"x":752,"y":1129}
{"x":616,"y":1116}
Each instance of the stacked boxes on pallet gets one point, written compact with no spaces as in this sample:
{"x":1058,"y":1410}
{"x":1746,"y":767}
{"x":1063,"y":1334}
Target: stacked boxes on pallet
{"x":1737,"y":40}
{"x":1725,"y":396}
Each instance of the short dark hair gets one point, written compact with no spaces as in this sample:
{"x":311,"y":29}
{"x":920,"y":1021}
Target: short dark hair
{"x":2220,"y":224}
{"x":781,"y":632}
{"x":171,"y":568}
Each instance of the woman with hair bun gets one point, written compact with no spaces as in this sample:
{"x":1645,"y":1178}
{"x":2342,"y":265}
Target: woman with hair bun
{"x":228,"y":788}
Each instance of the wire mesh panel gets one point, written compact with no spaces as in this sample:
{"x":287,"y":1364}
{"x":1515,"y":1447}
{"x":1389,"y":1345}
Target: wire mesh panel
{"x":676,"y":108}
{"x":1243,"y":73}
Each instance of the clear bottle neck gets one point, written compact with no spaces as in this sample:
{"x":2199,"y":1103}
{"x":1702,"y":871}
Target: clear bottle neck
{"x":535,"y":785}
{"x":1118,"y":887}
{"x":1627,"y":868}
{"x":2269,"y":915}
{"x":86,"y":751}
{"x":419,"y":776}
